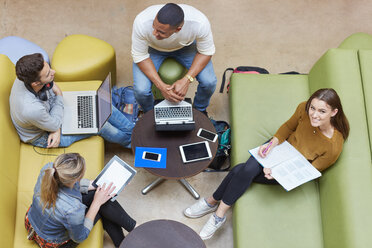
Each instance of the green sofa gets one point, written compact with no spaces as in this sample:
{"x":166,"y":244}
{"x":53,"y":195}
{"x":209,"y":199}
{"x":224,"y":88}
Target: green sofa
{"x":333,"y":211}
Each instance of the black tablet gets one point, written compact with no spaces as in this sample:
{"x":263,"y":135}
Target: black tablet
{"x":195,"y":152}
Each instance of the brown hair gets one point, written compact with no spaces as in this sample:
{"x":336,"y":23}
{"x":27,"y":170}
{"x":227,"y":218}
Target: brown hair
{"x":28,"y":68}
{"x":339,"y":121}
{"x":67,"y":168}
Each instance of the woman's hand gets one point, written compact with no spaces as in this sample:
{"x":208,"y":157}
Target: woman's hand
{"x":267,"y":172}
{"x":266,"y":148}
{"x":103,"y":194}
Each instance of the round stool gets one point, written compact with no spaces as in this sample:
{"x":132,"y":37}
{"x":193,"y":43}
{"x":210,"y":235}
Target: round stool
{"x":15,"y":48}
{"x":170,"y":71}
{"x":81,"y":57}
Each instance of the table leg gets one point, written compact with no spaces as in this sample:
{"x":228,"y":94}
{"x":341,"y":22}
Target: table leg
{"x":152,"y":185}
{"x":190,"y":188}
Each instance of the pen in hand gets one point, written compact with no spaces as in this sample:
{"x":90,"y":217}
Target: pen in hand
{"x":267,"y":148}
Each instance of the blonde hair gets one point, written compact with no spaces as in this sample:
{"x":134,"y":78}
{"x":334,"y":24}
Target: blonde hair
{"x":67,"y":168}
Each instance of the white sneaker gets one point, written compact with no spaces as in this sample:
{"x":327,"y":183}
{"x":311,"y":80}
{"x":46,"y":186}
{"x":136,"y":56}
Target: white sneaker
{"x":199,"y":209}
{"x":211,"y":227}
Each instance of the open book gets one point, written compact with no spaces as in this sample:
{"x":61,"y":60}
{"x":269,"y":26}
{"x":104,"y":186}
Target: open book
{"x":288,"y":166}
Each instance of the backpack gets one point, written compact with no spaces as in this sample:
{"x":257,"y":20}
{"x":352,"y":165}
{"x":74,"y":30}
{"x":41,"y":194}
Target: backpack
{"x":123,"y":99}
{"x":224,"y":147}
{"x":241,"y":69}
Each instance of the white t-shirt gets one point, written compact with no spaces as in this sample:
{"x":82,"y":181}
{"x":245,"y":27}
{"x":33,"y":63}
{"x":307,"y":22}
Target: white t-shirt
{"x":196,"y":27}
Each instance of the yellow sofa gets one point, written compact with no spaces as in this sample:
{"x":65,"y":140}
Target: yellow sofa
{"x":21,"y":163}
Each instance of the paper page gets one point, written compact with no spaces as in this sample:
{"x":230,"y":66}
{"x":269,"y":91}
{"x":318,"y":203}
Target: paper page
{"x":277,"y":155}
{"x":294,"y":172}
{"x":116,"y":174}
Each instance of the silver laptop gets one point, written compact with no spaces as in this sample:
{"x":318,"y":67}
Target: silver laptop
{"x":170,"y":116}
{"x":85,"y":112}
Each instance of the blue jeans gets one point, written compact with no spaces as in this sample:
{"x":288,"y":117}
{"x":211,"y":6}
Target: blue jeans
{"x":117,"y":129}
{"x":206,"y":78}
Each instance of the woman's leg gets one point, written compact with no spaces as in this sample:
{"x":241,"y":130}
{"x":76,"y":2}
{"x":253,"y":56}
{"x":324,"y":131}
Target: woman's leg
{"x":114,"y":212}
{"x":114,"y":231}
{"x":220,"y":191}
{"x":113,"y":218}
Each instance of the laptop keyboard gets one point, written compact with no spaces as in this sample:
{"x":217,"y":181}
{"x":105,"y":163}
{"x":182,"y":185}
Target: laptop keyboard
{"x":85,"y":111}
{"x":173,"y":112}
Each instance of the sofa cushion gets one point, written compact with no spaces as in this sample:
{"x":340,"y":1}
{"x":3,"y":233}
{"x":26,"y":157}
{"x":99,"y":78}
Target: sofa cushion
{"x":9,"y":153}
{"x":345,"y":208}
{"x":357,"y":41}
{"x":259,"y":104}
{"x":266,"y":215}
{"x":82,"y":57}
{"x":365,"y":60}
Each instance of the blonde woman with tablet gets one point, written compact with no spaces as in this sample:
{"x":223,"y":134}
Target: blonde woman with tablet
{"x":65,"y":207}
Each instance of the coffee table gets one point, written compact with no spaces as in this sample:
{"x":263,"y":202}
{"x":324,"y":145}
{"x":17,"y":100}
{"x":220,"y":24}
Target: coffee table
{"x":161,"y":234}
{"x":145,"y":135}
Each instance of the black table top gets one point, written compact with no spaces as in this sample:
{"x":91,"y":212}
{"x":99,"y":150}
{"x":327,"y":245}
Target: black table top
{"x":145,"y":135}
{"x":162,"y":234}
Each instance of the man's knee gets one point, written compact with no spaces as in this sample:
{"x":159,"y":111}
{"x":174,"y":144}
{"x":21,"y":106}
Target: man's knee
{"x":141,"y":90}
{"x":207,"y":79}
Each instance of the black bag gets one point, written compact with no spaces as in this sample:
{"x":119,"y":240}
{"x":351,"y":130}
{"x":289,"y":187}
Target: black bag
{"x":224,"y":145}
{"x":241,"y":69}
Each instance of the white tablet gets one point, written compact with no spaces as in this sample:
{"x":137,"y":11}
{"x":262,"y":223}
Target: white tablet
{"x":195,"y":152}
{"x":116,"y":171}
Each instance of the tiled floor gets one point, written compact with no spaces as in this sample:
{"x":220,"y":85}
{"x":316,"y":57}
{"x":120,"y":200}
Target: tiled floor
{"x":280,"y":36}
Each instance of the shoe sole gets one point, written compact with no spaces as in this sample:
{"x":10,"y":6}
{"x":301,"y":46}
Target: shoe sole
{"x":200,"y":215}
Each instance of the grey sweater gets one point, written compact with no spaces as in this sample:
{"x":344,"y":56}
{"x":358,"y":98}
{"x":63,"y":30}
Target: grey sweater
{"x":31,"y":116}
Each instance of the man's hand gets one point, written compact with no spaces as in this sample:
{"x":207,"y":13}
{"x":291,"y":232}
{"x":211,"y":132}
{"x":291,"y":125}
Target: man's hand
{"x":180,"y":87}
{"x":169,"y":94}
{"x":57,"y":91}
{"x":54,"y":139}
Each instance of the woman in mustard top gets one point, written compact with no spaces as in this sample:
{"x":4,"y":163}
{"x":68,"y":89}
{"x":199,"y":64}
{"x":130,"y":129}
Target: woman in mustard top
{"x":317,"y":129}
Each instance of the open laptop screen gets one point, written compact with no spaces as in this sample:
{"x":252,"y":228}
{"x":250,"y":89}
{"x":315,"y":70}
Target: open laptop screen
{"x":104,"y":101}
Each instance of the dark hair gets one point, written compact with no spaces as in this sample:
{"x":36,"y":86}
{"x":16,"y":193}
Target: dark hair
{"x":339,"y":121}
{"x":28,"y":68}
{"x":171,"y":14}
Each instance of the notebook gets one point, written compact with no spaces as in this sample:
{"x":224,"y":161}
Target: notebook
{"x":85,"y":112}
{"x":171,"y":116}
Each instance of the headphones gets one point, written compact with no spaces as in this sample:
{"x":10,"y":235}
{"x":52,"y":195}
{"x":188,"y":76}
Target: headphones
{"x":42,"y":94}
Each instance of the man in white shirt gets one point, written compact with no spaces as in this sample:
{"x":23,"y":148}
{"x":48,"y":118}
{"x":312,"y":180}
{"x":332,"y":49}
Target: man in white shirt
{"x":181,"y":32}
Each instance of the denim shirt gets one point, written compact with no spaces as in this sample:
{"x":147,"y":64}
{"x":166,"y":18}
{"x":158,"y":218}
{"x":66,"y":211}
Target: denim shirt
{"x":67,"y":220}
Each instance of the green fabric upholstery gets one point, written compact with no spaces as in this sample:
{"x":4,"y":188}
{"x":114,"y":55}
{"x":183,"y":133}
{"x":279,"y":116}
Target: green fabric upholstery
{"x":267,"y":216}
{"x":169,"y":71}
{"x":333,"y":211}
{"x":261,"y":216}
{"x":357,"y":41}
{"x":264,"y":108}
{"x":343,"y":188}
{"x":365,"y":58}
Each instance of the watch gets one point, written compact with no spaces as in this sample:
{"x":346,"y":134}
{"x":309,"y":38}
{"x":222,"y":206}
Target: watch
{"x":191,"y":79}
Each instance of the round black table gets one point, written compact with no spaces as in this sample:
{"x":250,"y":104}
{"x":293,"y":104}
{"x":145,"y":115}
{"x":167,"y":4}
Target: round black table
{"x":145,"y":135}
{"x":162,"y":234}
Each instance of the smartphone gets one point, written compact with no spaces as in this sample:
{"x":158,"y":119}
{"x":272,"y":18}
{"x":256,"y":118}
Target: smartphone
{"x":151,"y":156}
{"x":208,"y":135}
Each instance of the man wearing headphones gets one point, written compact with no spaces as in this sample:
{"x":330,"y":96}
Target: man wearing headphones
{"x":36,"y":109}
